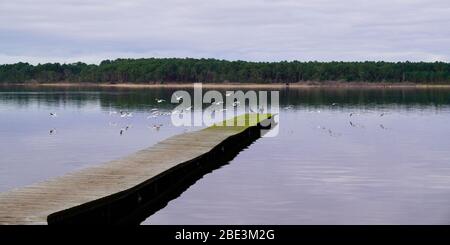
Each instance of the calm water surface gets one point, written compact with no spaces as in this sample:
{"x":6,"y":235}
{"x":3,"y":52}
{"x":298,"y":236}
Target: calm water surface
{"x":324,"y":167}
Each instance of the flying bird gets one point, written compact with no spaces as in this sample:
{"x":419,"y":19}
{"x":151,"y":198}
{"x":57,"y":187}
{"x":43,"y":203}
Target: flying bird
{"x":178,"y":98}
{"x":160,"y":100}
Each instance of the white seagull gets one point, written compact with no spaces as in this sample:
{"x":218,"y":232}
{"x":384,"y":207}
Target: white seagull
{"x":178,"y":98}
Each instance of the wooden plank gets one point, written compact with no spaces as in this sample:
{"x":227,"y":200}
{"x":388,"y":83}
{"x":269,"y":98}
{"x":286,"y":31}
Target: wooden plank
{"x":33,"y":204}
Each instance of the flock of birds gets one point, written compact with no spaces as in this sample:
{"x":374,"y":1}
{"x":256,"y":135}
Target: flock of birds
{"x":154,"y":113}
{"x":126,"y":114}
{"x":351,"y":122}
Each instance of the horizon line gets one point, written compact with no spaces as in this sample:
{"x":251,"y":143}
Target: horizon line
{"x":223,"y":60}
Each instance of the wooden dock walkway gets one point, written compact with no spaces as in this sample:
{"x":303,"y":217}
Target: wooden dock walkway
{"x":112,"y":191}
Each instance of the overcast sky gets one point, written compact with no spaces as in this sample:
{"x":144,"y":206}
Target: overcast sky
{"x":257,"y":30}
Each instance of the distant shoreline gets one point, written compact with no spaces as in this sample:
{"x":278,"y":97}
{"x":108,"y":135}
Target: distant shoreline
{"x":236,"y":85}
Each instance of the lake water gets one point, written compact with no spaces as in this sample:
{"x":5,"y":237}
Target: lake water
{"x":387,"y":163}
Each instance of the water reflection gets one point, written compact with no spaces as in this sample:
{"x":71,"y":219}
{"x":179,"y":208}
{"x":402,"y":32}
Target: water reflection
{"x":140,"y":99}
{"x":325,"y":167}
{"x":354,"y":175}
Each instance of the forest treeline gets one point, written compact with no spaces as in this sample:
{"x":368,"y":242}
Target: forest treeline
{"x":155,"y":70}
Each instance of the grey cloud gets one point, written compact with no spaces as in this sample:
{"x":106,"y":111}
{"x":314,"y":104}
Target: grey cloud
{"x":260,"y":30}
